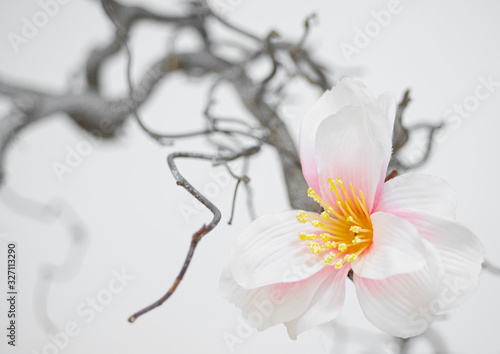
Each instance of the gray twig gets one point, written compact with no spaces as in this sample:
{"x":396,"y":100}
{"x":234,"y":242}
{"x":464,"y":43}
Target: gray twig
{"x":205,"y":229}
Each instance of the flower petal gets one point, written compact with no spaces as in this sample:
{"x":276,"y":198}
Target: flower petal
{"x":383,"y":126}
{"x":325,"y":305}
{"x":348,"y":92}
{"x":402,"y":305}
{"x":270,"y":251}
{"x":421,"y":192}
{"x":272,"y":304}
{"x":387,"y":103}
{"x":348,"y":148}
{"x":396,"y":248}
{"x":460,"y":250}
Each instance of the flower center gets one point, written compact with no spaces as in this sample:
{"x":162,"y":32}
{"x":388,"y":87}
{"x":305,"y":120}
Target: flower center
{"x":347,"y":227}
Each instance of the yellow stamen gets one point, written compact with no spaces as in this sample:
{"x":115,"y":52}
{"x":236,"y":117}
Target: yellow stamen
{"x":312,"y":194}
{"x":329,"y":258}
{"x":346,"y":228}
{"x":339,"y":264}
{"x":355,"y":229}
{"x":316,"y":223}
{"x":301,"y":216}
{"x":315,"y":247}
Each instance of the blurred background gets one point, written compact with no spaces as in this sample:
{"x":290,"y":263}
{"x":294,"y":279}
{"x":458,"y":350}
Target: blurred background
{"x":116,"y":228}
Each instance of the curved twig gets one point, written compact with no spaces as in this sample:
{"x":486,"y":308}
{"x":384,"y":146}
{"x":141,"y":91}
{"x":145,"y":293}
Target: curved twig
{"x":198,"y":235}
{"x":233,"y":204}
{"x":235,"y":28}
{"x":400,"y":133}
{"x":269,"y":44}
{"x":194,"y":242}
{"x":491,"y":268}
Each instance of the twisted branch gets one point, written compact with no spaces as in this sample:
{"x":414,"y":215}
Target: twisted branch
{"x":205,"y":229}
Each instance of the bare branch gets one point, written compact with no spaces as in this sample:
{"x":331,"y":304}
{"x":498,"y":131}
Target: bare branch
{"x":402,"y":135}
{"x":197,"y":236}
{"x":194,"y":242}
{"x":233,"y":205}
{"x":236,"y":28}
{"x":491,"y":268}
{"x":90,"y":110}
{"x":313,"y":72}
{"x":124,"y":18}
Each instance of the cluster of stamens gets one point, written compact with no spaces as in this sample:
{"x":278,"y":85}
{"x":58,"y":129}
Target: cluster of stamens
{"x":346,"y":227}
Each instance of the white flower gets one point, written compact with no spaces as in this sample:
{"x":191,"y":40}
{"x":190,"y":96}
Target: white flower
{"x":410,"y":258}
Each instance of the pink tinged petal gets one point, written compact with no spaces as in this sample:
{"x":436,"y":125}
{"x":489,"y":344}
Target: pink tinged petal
{"x":289,"y":303}
{"x":403,"y":305}
{"x":421,"y":192}
{"x":381,"y":119}
{"x":396,"y":248}
{"x":347,"y":93}
{"x":460,"y":250}
{"x":325,"y":305}
{"x":384,"y":125}
{"x":270,"y":251}
{"x":348,"y":148}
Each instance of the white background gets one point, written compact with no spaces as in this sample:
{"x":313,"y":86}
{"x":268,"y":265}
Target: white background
{"x":128,"y":202}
